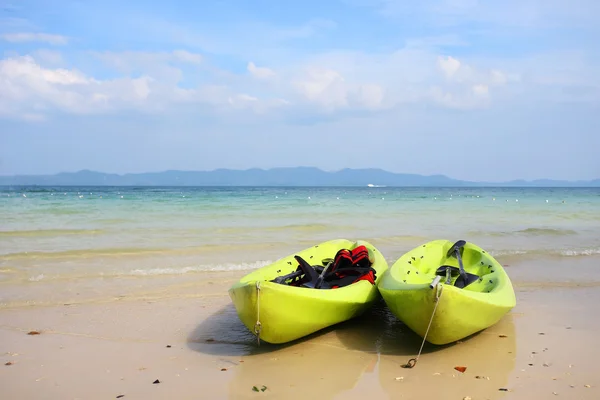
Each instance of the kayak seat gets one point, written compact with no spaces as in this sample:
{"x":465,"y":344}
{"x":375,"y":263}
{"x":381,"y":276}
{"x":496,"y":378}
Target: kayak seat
{"x":454,"y":271}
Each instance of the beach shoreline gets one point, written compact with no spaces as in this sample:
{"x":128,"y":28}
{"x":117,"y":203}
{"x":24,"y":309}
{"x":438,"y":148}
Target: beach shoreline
{"x":188,"y":337}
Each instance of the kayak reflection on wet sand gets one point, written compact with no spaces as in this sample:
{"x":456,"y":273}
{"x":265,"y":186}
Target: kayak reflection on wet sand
{"x":359,"y":357}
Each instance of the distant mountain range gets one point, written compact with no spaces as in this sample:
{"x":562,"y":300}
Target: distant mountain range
{"x":299,"y":176}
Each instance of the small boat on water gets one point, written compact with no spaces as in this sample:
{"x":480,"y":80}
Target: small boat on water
{"x":307,"y":291}
{"x":447,"y":291}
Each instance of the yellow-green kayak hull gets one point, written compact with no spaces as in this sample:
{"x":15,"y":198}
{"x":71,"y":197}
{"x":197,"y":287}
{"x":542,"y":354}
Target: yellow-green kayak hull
{"x":405,"y":288}
{"x":281,"y":313}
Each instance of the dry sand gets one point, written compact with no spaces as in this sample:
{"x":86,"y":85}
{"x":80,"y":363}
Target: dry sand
{"x":188,"y":337}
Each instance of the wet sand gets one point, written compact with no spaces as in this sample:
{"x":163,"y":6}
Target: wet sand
{"x":188,"y":337}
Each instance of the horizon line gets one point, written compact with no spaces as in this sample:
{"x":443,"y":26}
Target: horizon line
{"x":297,"y":167}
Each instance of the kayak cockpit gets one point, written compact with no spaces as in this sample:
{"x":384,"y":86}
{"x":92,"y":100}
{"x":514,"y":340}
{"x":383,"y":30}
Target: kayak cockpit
{"x":347,"y":267}
{"x":460,"y":266}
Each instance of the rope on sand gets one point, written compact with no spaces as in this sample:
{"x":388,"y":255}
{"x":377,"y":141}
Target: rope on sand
{"x":413,"y":361}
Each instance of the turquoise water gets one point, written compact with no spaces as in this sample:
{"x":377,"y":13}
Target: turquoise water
{"x":72,"y":234}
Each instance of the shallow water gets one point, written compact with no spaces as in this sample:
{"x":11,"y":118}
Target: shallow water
{"x":84,"y":235}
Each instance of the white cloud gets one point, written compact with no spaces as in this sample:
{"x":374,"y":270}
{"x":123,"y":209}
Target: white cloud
{"x":324,"y":86}
{"x":469,"y":87}
{"x":331,"y":91}
{"x":29,"y":91}
{"x":366,"y":84}
{"x":324,"y":83}
{"x":260,"y":72}
{"x":186,"y":56}
{"x":480,"y":90}
{"x":245,"y":101}
{"x":370,"y":96}
{"x":163,"y":66}
{"x":35,"y":37}
{"x":449,"y":65}
{"x":473,"y":97}
{"x":498,"y":77}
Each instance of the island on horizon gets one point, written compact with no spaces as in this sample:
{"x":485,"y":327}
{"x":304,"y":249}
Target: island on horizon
{"x":291,"y":176}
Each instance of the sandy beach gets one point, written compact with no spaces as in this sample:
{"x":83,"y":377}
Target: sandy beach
{"x":185,"y":341}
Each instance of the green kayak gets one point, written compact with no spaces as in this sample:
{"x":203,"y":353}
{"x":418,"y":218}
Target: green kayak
{"x":310,"y":290}
{"x":466,"y":287}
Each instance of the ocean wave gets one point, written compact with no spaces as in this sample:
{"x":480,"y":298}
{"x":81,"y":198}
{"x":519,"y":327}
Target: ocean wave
{"x":300,"y":227}
{"x":149,"y":272}
{"x":586,"y":252}
{"x":80,"y":253}
{"x":394,"y":239}
{"x":546,"y":231}
{"x":50,"y":232}
{"x":498,"y":253}
{"x":527,"y":232}
{"x":310,"y":227}
{"x":592,"y":251}
{"x":199,"y":268}
{"x":138,"y":251}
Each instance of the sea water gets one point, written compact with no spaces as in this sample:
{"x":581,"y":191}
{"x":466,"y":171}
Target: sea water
{"x":65,"y":236}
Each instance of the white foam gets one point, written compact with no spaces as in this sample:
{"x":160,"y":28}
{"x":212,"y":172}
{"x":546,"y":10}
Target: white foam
{"x":564,"y":253}
{"x":506,"y":252}
{"x":585,"y":252}
{"x":199,"y":268}
{"x":36,"y":278}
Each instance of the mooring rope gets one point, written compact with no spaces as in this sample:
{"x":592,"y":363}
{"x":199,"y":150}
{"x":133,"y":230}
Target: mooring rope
{"x":413,"y":361}
{"x":257,"y":325}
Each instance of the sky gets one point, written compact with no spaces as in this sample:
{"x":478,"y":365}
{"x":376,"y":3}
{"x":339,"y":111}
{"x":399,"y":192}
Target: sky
{"x":472,"y":89}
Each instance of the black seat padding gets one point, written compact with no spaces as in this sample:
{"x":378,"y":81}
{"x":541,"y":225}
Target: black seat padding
{"x":454,"y":271}
{"x":311,"y":274}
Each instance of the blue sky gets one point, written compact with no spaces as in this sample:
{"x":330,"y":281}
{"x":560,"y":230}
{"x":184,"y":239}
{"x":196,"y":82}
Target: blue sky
{"x":471,"y":89}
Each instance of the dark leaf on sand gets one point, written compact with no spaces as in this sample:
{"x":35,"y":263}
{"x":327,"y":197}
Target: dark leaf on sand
{"x":121,"y":395}
{"x":503,"y":389}
{"x":502,"y":336}
{"x":254,"y":388}
{"x":263,"y":388}
{"x":168,"y":346}
{"x":156,"y":381}
{"x":223,"y":369}
{"x":8,"y":363}
{"x":33,"y":333}
{"x":460,"y":369}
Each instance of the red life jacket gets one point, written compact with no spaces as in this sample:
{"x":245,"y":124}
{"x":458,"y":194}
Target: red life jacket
{"x":350,"y":266}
